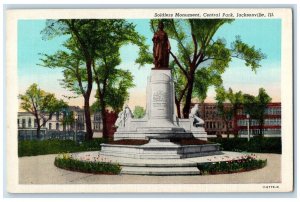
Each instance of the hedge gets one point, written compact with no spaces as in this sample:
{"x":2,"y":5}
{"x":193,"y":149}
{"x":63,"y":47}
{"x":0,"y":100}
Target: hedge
{"x":54,"y":146}
{"x":256,"y":144}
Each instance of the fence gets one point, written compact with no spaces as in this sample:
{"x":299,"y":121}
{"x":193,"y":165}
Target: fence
{"x":48,"y":134}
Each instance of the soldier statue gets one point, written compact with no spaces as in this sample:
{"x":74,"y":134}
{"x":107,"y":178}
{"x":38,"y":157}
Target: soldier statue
{"x":161,"y":48}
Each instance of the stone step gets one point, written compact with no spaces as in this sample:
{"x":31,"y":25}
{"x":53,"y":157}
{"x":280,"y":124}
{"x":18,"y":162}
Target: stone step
{"x":141,"y":156}
{"x":158,"y":164}
{"x":163,"y":171}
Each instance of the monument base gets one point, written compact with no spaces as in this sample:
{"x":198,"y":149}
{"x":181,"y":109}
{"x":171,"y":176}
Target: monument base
{"x":159,"y":149}
{"x":160,"y":125}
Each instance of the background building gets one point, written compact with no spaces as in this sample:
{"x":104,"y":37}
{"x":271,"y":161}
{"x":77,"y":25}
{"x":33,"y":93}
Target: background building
{"x":215,"y":125}
{"x":27,"y":121}
{"x":272,"y":122}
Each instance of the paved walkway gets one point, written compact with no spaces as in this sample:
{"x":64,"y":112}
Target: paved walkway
{"x":41,"y":170}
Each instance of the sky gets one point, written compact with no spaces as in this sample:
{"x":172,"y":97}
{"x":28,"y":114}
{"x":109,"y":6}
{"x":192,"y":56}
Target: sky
{"x":263,"y":34}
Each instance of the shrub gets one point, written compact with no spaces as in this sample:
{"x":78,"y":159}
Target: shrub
{"x":244,"y":164}
{"x":256,"y":144}
{"x":65,"y":161}
{"x":54,"y":146}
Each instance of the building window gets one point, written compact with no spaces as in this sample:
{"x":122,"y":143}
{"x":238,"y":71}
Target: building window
{"x":18,"y":122}
{"x":23,"y":123}
{"x":50,"y":126}
{"x":57,"y":126}
{"x":29,"y":123}
{"x":97,"y":117}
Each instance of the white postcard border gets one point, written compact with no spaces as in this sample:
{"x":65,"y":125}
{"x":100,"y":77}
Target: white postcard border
{"x":12,"y":102}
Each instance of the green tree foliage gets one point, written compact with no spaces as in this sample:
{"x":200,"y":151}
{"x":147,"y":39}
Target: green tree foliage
{"x":92,"y":55}
{"x":198,"y":50}
{"x":255,"y":106}
{"x":113,"y":83}
{"x":95,"y":107}
{"x":204,"y":78}
{"x":82,"y":38}
{"x":228,"y":112}
{"x":139,"y":112}
{"x":42,"y":105}
{"x":250,"y":106}
{"x":68,"y":120}
{"x":117,"y":89}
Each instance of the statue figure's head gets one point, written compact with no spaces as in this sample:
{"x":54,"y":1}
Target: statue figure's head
{"x":160,"y":25}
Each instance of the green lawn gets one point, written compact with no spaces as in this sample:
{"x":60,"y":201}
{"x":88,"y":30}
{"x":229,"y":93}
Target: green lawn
{"x":34,"y":147}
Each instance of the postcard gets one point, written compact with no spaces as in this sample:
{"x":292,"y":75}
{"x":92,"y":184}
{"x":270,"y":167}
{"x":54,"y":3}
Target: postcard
{"x":149,"y":100}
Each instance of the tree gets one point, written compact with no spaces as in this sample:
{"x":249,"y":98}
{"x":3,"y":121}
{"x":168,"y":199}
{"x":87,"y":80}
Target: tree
{"x":204,"y":78}
{"x":225,"y":112}
{"x":262,"y":99}
{"x":197,"y":49}
{"x":68,"y":120}
{"x":94,"y":44}
{"x":236,"y":100}
{"x":82,"y":38}
{"x":255,"y":106}
{"x":250,"y":106}
{"x":113,"y":83}
{"x":229,"y":112}
{"x":138,"y":112}
{"x":41,"y":105}
{"x":117,"y":89}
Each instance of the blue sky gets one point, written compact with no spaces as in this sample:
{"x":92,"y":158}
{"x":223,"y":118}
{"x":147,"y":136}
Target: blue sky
{"x":261,"y":33}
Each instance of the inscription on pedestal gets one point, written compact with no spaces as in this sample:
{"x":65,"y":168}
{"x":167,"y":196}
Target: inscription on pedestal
{"x":159,"y":96}
{"x":159,"y":103}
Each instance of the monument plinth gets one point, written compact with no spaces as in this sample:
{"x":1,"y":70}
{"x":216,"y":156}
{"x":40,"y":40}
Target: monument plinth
{"x":160,"y":125}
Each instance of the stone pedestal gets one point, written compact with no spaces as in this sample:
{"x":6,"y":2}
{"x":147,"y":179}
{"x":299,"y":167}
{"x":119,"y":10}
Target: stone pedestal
{"x":159,"y":125}
{"x":160,"y":100}
{"x":160,"y":120}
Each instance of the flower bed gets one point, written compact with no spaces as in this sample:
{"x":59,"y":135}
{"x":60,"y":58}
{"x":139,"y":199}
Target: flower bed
{"x":245,"y":163}
{"x":65,"y":161}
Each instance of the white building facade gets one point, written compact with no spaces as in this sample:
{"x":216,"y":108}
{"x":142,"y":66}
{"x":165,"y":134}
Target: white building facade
{"x":27,"y":121}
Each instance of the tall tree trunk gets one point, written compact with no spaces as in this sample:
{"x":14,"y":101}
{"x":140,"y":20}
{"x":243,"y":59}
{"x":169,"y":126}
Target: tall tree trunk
{"x":104,"y":118}
{"x":38,"y":123}
{"x":88,"y":123}
{"x":188,"y":101}
{"x":87,"y":113}
{"x":261,"y":126}
{"x":178,"y":108}
{"x":38,"y":131}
